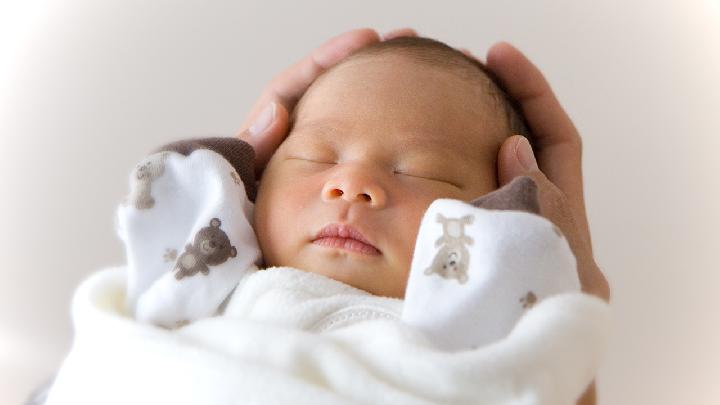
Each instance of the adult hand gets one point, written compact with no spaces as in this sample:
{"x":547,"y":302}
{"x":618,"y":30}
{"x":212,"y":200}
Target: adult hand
{"x":267,"y":124}
{"x":558,"y":167}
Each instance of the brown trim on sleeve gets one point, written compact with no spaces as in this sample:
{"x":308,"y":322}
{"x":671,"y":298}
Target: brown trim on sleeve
{"x":237,"y":152}
{"x":521,"y":194}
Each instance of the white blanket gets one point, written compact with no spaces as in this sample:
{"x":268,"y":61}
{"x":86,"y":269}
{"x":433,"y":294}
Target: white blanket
{"x":255,"y":352}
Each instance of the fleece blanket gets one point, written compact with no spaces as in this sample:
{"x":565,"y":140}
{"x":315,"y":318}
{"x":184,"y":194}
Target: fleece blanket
{"x":254,"y":354}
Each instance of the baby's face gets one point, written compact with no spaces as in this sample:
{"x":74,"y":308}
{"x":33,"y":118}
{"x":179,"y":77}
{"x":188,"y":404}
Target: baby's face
{"x":375,"y":141}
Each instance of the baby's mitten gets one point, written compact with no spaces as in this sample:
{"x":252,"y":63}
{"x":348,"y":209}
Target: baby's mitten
{"x":479,"y":266}
{"x":187,"y":229}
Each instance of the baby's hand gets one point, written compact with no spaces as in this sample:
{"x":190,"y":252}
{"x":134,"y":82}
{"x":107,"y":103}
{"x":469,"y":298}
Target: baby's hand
{"x":267,"y":124}
{"x":492,"y":263}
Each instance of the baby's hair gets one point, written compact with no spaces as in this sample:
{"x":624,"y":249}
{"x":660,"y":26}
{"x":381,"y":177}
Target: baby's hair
{"x":436,"y":53}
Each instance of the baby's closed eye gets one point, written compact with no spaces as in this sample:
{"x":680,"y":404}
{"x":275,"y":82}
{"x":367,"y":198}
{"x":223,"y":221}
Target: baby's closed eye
{"x":410,"y":173}
{"x":314,"y":160}
{"x":431,"y":176}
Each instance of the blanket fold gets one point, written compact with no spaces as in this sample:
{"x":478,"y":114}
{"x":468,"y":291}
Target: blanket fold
{"x":550,"y":356}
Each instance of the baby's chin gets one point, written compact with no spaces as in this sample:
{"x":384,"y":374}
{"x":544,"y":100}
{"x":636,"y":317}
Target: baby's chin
{"x":378,"y":279}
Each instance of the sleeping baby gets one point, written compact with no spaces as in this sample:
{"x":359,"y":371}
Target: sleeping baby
{"x":380,"y":211}
{"x":373,"y":143}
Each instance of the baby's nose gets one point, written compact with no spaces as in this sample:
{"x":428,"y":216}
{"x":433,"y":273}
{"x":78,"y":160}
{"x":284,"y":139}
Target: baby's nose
{"x":353,"y":185}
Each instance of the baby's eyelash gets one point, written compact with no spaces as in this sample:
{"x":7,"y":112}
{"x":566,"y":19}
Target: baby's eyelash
{"x":426,"y":178}
{"x":394,"y":171}
{"x":312,"y":161}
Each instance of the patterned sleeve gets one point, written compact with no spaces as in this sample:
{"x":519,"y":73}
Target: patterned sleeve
{"x":479,"y":266}
{"x":187,"y":229}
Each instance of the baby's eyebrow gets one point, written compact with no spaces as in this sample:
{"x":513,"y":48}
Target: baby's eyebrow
{"x":333,"y":131}
{"x":322,"y":126}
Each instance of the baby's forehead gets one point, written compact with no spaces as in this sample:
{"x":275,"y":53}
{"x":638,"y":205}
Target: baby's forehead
{"x":412,"y":84}
{"x":400,"y":103}
{"x":406,"y":56}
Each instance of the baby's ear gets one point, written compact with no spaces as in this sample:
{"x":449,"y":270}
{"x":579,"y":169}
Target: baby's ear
{"x":518,"y":195}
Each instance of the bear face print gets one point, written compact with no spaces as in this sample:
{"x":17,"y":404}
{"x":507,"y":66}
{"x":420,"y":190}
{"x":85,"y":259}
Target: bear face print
{"x":211,"y":247}
{"x":453,"y":258}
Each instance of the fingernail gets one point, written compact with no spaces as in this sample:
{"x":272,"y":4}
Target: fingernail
{"x":525,"y":155}
{"x":263,"y":121}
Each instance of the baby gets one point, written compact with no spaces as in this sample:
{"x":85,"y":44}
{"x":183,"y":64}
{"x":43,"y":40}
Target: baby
{"x":385,"y":193}
{"x":377,"y":261}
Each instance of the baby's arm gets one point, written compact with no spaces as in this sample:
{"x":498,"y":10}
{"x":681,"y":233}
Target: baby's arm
{"x":187,"y":229}
{"x":479,"y":266}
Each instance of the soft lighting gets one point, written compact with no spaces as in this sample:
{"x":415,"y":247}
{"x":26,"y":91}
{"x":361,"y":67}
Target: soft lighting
{"x":19,"y":19}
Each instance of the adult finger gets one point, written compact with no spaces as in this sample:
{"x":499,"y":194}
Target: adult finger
{"x":515,"y":158}
{"x":525,"y":83}
{"x":557,"y":143}
{"x":513,"y":161}
{"x":266,"y":134}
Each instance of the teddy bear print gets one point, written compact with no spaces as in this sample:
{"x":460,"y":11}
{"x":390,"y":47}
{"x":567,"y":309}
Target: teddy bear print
{"x":142,"y":177}
{"x":235,"y":177}
{"x":210,"y":247}
{"x":452,"y":260}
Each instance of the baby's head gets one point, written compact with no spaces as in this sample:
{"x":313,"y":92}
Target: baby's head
{"x":373,"y":142}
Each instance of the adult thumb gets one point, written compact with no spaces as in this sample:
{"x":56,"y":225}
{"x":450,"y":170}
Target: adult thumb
{"x":266,"y":132}
{"x":515,"y":158}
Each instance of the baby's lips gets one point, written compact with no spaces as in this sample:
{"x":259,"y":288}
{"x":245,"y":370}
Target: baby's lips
{"x":348,"y":244}
{"x":344,"y":231}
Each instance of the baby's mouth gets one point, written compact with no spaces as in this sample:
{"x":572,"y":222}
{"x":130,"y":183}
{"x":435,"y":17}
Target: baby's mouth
{"x":346,"y":237}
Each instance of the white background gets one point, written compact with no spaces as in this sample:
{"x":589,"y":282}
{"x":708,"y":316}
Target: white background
{"x":87,"y":87}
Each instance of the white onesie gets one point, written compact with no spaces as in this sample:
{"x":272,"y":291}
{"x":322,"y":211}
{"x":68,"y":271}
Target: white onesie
{"x":187,"y":229}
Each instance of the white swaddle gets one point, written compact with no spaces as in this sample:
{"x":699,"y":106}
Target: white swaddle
{"x":492,"y":312}
{"x":550,"y":356}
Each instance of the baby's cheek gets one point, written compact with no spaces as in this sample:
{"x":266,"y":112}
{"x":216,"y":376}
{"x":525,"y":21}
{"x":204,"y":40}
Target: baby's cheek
{"x":268,"y":207}
{"x":283,"y":216}
{"x":407,"y":217}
